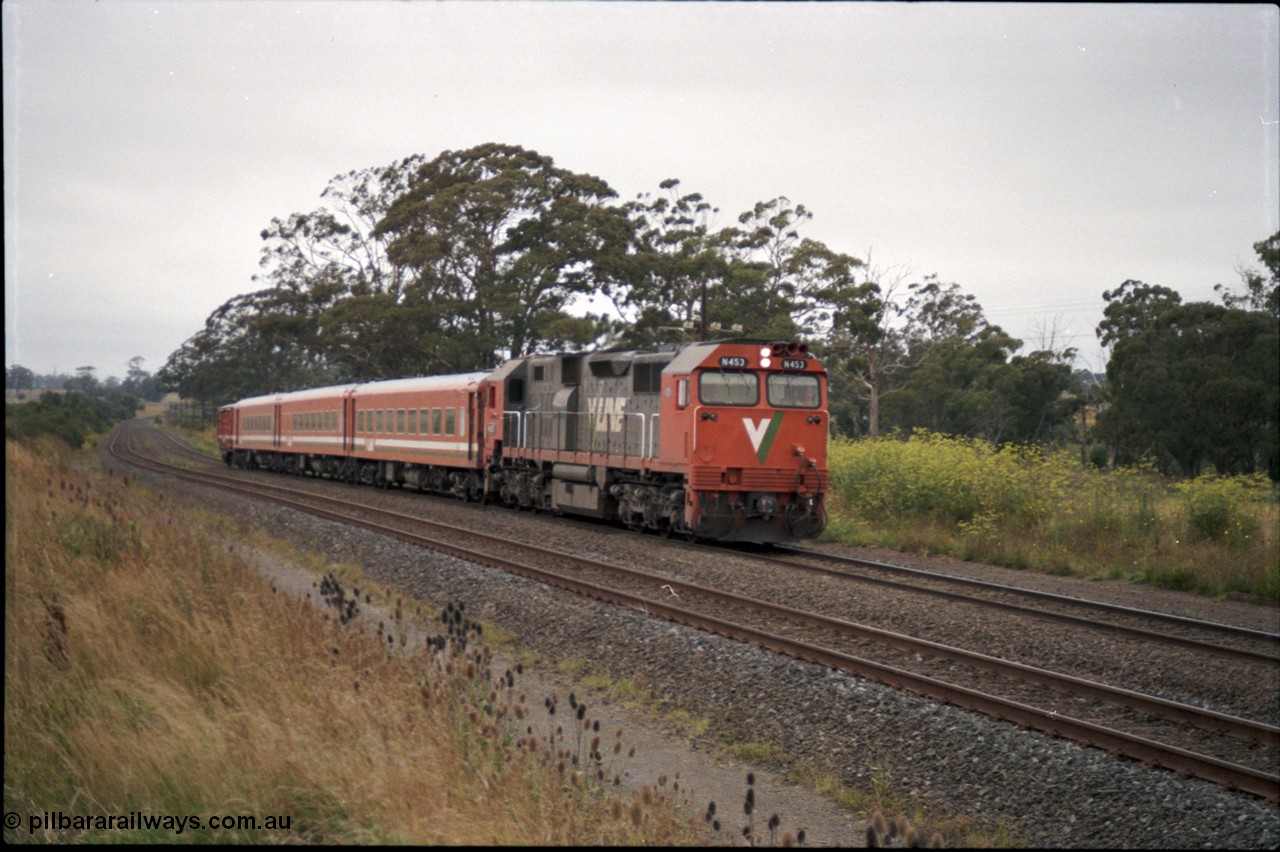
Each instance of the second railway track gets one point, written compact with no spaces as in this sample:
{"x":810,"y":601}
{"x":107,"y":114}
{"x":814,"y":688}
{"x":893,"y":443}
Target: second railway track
{"x":1235,"y":752}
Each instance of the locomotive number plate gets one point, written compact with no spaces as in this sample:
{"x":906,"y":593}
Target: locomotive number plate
{"x":736,"y":361}
{"x":794,"y":363}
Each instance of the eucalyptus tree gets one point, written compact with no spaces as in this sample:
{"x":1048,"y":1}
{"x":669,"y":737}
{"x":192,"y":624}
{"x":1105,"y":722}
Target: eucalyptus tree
{"x":1190,"y":385}
{"x":19,"y":378}
{"x":498,"y":241}
{"x":780,"y":284}
{"x":1261,"y":289}
{"x":865,"y":350}
{"x":360,"y":318}
{"x":249,"y":345}
{"x":672,"y":267}
{"x":958,"y":373}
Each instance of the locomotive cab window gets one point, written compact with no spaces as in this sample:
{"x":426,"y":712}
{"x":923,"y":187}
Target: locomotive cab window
{"x":716,"y":387}
{"x":793,"y":390}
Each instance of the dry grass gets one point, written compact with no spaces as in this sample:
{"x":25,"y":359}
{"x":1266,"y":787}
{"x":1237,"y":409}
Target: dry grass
{"x":150,"y":669}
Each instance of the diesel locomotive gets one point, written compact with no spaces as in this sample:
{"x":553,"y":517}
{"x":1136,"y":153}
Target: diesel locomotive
{"x":723,"y":440}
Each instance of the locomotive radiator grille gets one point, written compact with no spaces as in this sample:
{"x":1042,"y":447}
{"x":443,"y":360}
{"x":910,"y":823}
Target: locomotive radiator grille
{"x":746,"y":479}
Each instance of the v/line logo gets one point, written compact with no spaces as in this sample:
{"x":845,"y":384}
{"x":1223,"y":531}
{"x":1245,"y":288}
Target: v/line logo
{"x":762,"y":433}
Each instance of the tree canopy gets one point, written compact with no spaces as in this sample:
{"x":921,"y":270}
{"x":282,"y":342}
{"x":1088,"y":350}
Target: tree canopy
{"x":1193,"y":385}
{"x":456,"y":262}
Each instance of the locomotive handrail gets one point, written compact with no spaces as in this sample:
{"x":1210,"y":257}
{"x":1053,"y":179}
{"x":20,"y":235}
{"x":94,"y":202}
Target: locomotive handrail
{"x":522,"y":431}
{"x":515,"y":419}
{"x":585,"y":419}
{"x":527,"y":422}
{"x":524,"y":423}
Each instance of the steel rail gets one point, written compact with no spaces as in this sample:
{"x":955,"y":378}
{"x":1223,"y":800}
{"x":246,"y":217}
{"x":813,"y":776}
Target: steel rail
{"x":1059,"y":617}
{"x":1180,"y":760}
{"x":1181,"y":620}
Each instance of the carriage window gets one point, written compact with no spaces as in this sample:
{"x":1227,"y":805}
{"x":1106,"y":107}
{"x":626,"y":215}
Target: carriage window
{"x":425,"y":424}
{"x":793,"y":390}
{"x":400,"y":422}
{"x":720,"y":388}
{"x":462,"y":421}
{"x":435,"y":421}
{"x":449,"y":419}
{"x":377,"y":421}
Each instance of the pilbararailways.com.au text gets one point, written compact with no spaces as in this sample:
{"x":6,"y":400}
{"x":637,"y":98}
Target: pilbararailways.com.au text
{"x":138,"y":821}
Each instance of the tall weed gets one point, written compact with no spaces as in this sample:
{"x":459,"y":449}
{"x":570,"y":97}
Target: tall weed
{"x":1219,"y":507}
{"x":148,"y":669}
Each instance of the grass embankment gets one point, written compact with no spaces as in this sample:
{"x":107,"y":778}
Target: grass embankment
{"x":148,"y":669}
{"x":1030,"y":508}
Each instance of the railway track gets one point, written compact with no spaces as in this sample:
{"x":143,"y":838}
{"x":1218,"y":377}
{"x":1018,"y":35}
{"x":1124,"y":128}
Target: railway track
{"x":1224,"y":640}
{"x":1235,"y":752}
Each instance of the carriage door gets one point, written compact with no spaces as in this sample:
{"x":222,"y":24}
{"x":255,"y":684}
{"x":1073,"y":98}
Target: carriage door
{"x":349,"y":423}
{"x":276,"y":424}
{"x":475,"y":423}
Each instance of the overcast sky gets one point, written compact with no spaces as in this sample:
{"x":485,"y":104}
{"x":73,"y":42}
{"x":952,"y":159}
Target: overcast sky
{"x":1034,"y":154}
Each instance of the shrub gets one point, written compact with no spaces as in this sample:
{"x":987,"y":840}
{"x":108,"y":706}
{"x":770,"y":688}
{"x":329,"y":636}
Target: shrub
{"x":1029,"y":507}
{"x":1217,"y":506}
{"x":957,"y":480}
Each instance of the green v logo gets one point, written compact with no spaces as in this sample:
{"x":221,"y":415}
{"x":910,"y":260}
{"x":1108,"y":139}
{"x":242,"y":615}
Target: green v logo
{"x":762,"y":433}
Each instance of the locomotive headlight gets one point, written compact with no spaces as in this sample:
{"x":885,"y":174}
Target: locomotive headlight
{"x":765,"y":352}
{"x":765,"y":362}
